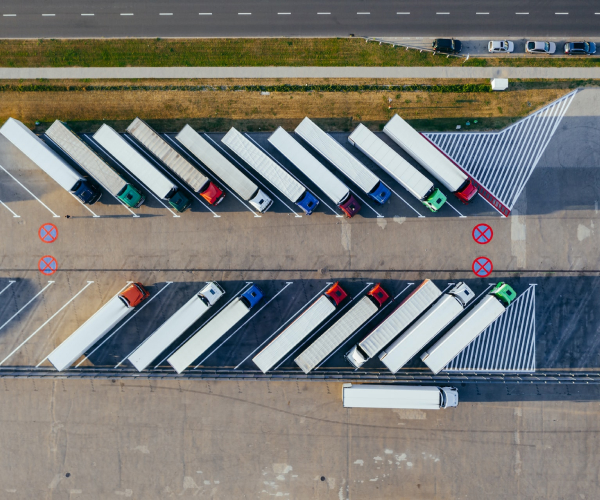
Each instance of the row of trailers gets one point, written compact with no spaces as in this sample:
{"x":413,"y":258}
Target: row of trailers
{"x":211,"y":156}
{"x":412,"y":326}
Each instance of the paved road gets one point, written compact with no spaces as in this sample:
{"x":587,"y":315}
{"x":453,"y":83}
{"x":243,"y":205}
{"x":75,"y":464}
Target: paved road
{"x":186,"y":18}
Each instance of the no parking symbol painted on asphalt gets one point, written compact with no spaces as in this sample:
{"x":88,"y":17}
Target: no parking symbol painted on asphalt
{"x":48,"y":233}
{"x":47,"y":265}
{"x":483,"y":234}
{"x":482,"y":267}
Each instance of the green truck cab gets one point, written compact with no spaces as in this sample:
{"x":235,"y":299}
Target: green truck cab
{"x":179,"y":201}
{"x":504,"y":293}
{"x":435,"y":200}
{"x":131,"y":197}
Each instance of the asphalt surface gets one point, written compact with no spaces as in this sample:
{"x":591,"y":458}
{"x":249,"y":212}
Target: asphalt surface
{"x":256,"y":18}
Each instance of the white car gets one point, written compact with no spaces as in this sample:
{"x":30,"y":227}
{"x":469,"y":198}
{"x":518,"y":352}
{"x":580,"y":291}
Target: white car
{"x":500,"y":46}
{"x":540,"y":47}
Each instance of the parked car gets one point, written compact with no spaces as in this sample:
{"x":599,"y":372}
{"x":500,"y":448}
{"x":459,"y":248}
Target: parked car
{"x":580,"y":48}
{"x":500,"y":46}
{"x":540,"y":47}
{"x":447,"y":45}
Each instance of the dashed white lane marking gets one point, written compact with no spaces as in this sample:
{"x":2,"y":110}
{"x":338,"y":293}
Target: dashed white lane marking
{"x":48,"y":15}
{"x":165,"y":14}
{"x":126,"y":14}
{"x":5,"y":206}
{"x":323,"y":13}
{"x":561,"y":13}
{"x":45,"y":323}
{"x":403,"y":13}
{"x":244,"y":13}
{"x":205,"y":13}
{"x":443,"y":13}
{"x":87,"y":14}
{"x":482,"y":13}
{"x":522,"y":13}
{"x":284,"y":13}
{"x":363,"y":13}
{"x":9,"y":15}
{"x":43,"y":204}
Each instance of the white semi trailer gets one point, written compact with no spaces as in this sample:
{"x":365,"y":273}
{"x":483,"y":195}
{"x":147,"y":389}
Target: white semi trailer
{"x":218,"y":326}
{"x":176,"y":326}
{"x":342,"y":329}
{"x":224,"y":169}
{"x":141,"y":168}
{"x":430,"y":158}
{"x":45,"y":158}
{"x":469,"y":328}
{"x":265,"y":166}
{"x":399,"y":397}
{"x":335,"y":189}
{"x":87,"y":159}
{"x":104,"y":320}
{"x":407,"y":176}
{"x":189,"y":174}
{"x":427,"y":327}
{"x":340,"y":158}
{"x":302,"y":326}
{"x":409,"y":310}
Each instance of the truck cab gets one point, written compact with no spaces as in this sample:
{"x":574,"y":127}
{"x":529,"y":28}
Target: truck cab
{"x":378,"y":295}
{"x":466,"y":192}
{"x":356,"y":356}
{"x":336,"y":293}
{"x":179,"y":201}
{"x":211,"y":293}
{"x":134,"y":294}
{"x":462,"y":293}
{"x":308,"y":203}
{"x":260,"y":201}
{"x":131,"y":197}
{"x":350,"y":206}
{"x":381,"y":193}
{"x":87,"y":192}
{"x":504,"y":293}
{"x":448,"y":397}
{"x":434,"y":200}
{"x":213,"y":194}
{"x":252,"y":296}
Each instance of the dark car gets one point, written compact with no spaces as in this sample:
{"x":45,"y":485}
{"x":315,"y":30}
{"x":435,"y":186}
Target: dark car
{"x":447,"y":45}
{"x":580,"y":48}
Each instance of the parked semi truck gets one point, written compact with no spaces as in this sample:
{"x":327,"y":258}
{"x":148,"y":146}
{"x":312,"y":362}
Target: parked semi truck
{"x":469,"y":328}
{"x":302,"y":326}
{"x":265,"y":166}
{"x":405,"y":174}
{"x":176,"y":325}
{"x":408,"y":310}
{"x":427,"y":327}
{"x":431,"y":158}
{"x":50,"y":162}
{"x":104,"y":320}
{"x":141,"y":168}
{"x":335,"y":189}
{"x":89,"y":161}
{"x":399,"y":397}
{"x":218,"y":326}
{"x":342,"y":329}
{"x":189,"y":174}
{"x":224,"y":169}
{"x":340,"y":158}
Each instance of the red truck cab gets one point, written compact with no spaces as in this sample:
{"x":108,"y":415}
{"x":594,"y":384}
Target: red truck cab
{"x":378,"y":294}
{"x":134,"y":294}
{"x":466,"y":192}
{"x":336,"y":293}
{"x":213,"y":194}
{"x":350,"y":206}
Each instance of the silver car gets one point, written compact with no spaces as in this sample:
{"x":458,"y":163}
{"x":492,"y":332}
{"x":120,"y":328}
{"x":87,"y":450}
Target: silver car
{"x":501,"y":46}
{"x":540,"y":47}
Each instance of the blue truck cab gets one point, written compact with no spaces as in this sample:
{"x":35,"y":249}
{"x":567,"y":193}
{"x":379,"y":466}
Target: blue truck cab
{"x":86,"y":191}
{"x":381,"y":193}
{"x":252,"y":296}
{"x":308,"y":203}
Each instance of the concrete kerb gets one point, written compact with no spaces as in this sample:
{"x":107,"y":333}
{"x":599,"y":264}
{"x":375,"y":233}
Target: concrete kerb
{"x":298,"y":72}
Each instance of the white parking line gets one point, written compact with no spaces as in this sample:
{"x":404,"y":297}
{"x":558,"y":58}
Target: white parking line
{"x":30,"y":301}
{"x":201,"y":167}
{"x":165,"y":14}
{"x":48,"y":15}
{"x":452,"y":207}
{"x":87,"y":14}
{"x":5,"y":206}
{"x":15,"y":179}
{"x":84,"y":205}
{"x":170,"y":174}
{"x":482,"y":13}
{"x":443,"y":13}
{"x":287,"y":283}
{"x":205,"y":13}
{"x":236,"y":296}
{"x":522,"y":13}
{"x":323,"y":13}
{"x":123,"y":167}
{"x":284,"y":13}
{"x":403,"y":13}
{"x":561,"y":13}
{"x":45,"y":323}
{"x":6,"y":287}
{"x":407,"y":204}
{"x":276,"y":331}
{"x":251,"y":175}
{"x":9,"y":15}
{"x":126,"y":14}
{"x":322,"y":327}
{"x":270,"y":156}
{"x":363,"y":13}
{"x":127,"y":321}
{"x":244,"y":13}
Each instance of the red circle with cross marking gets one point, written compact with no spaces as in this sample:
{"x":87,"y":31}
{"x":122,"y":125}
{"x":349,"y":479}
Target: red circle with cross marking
{"x":48,"y":233}
{"x":482,"y":267}
{"x":47,"y":265}
{"x":482,"y":234}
